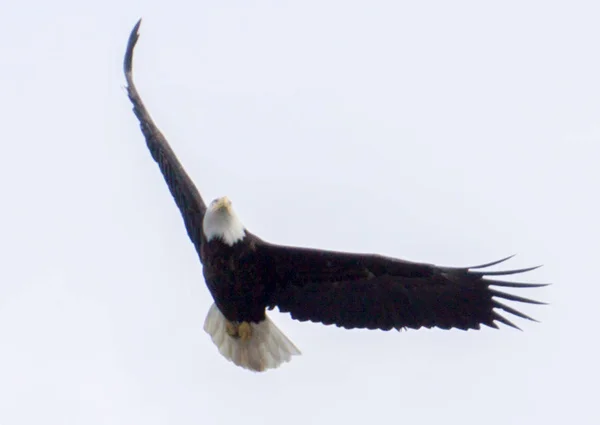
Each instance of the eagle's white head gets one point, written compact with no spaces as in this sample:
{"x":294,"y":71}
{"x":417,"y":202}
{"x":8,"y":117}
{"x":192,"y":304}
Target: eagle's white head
{"x":221,"y":222}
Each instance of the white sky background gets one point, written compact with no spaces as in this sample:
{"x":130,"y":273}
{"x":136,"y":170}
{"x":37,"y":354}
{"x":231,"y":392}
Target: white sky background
{"x":448,"y":133}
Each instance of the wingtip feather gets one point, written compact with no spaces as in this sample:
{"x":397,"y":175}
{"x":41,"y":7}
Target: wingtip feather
{"x":512,"y":297}
{"x":513,"y":311}
{"x":502,"y":319}
{"x":505,"y":272}
{"x":133,"y":38}
{"x":507,"y":284}
{"x":493,"y":263}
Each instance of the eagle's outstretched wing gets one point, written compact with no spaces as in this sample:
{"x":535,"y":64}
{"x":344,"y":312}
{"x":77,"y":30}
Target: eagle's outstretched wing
{"x":182,"y":188}
{"x":376,"y":292}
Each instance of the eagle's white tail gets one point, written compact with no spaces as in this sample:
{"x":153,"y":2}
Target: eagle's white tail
{"x":266,"y":349}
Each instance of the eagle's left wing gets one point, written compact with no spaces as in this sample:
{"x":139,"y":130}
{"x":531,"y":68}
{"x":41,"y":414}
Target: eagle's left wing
{"x":376,"y":292}
{"x":186,"y":196}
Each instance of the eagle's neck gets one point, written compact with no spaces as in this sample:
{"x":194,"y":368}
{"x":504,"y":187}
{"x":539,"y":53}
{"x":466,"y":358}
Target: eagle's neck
{"x":223,"y":225}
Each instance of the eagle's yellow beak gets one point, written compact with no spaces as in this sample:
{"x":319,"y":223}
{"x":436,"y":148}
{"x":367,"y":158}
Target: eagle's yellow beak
{"x":223,"y":204}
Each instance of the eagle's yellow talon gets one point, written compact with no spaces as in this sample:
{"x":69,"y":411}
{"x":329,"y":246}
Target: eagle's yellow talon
{"x":245,"y":331}
{"x":231,"y":329}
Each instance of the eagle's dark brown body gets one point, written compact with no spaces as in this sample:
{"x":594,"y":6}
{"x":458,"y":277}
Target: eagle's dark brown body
{"x":238,"y":279}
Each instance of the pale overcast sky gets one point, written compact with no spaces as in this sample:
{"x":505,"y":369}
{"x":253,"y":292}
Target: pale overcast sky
{"x":448,"y":132}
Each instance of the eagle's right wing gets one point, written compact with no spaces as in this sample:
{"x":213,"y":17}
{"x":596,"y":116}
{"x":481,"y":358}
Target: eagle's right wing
{"x":186,"y":196}
{"x":375,"y":292}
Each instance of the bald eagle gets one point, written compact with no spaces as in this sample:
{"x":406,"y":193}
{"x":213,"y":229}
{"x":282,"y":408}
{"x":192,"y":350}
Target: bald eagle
{"x":247,"y":275}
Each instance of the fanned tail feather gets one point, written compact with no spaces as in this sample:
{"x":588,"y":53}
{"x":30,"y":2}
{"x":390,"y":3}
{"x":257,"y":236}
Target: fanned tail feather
{"x":267,"y":349}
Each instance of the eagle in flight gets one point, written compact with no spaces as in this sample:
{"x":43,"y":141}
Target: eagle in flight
{"x":247,"y":275}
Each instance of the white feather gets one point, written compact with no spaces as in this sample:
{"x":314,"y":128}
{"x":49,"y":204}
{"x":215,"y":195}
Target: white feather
{"x":268,"y":347}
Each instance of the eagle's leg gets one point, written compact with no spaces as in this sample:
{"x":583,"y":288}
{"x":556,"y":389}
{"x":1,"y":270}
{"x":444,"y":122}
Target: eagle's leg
{"x":232,"y":329}
{"x":241,"y":330}
{"x":245,"y":331}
